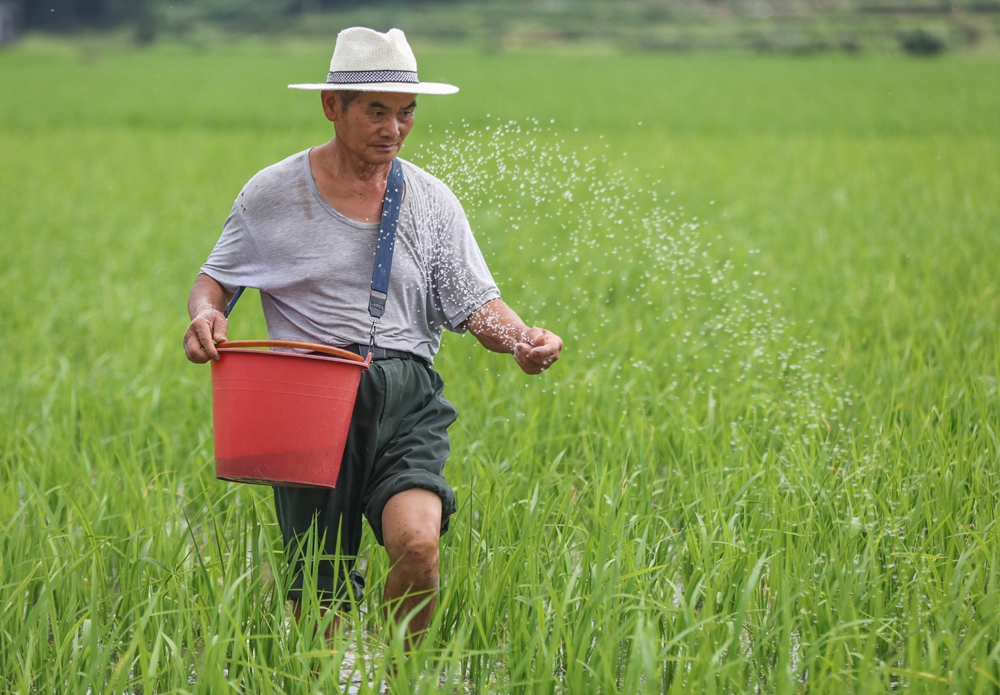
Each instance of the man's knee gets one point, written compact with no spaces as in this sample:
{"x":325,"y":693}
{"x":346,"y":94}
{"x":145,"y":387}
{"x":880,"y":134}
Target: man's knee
{"x":417,"y":555}
{"x":411,"y":526}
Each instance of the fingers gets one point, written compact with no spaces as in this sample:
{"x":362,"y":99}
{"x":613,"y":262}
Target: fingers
{"x":205,"y":331}
{"x":193,"y":349}
{"x":207,"y":344}
{"x":546,"y":350}
{"x":538,"y":352}
{"x":545,"y":346}
{"x":527,"y":365}
{"x":219,"y":329}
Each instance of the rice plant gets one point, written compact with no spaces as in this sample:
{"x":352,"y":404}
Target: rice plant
{"x":767,"y":462}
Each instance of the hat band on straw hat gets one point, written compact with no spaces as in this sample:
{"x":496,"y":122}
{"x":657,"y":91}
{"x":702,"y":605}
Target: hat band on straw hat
{"x":347,"y":77}
{"x":365,"y":60}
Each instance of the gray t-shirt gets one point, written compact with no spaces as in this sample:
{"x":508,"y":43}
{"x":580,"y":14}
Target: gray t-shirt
{"x":313,"y":266}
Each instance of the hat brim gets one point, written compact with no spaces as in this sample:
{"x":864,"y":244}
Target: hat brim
{"x":394,"y":87}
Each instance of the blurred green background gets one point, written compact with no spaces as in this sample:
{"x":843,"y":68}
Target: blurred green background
{"x":921,"y":27}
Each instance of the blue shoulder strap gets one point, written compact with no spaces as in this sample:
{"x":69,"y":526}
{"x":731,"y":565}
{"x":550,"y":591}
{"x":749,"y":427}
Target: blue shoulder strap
{"x":232,"y":302}
{"x":386,"y":241}
{"x":391,"y":204}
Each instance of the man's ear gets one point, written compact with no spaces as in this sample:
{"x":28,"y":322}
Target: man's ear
{"x":331,"y":104}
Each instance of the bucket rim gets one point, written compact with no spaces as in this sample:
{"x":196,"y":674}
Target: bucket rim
{"x":291,"y":353}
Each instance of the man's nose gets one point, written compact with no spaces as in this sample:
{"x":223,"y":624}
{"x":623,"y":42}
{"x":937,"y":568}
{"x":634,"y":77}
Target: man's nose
{"x":391,"y":128}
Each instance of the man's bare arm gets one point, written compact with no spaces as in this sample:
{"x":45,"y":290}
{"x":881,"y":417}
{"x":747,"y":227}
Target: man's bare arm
{"x":500,"y":329}
{"x":206,"y":305}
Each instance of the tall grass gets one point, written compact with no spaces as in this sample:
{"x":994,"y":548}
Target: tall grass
{"x":783,"y":481}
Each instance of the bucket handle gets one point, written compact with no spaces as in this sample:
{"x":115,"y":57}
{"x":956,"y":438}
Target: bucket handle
{"x":312,"y":347}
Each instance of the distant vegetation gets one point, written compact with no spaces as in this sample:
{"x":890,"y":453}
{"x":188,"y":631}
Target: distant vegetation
{"x":921,"y":27}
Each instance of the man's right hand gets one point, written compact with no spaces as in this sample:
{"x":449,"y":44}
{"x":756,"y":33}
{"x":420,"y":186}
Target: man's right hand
{"x":207,"y":328}
{"x":208,"y":324}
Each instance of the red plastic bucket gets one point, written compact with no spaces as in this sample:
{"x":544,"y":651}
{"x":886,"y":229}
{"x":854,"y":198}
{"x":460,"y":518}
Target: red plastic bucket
{"x":281,"y":418}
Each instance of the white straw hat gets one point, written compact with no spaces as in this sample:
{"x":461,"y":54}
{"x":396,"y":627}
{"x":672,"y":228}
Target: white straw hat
{"x":370,"y":61}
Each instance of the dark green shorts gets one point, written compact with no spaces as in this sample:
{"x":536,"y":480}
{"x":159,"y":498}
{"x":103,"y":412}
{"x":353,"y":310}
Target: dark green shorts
{"x":398,"y":441}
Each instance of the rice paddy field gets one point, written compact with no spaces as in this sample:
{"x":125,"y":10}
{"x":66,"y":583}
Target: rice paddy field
{"x":767,"y":461}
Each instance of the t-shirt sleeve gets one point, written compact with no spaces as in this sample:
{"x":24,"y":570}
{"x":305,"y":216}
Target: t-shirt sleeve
{"x":235,"y":261}
{"x":461,"y":280}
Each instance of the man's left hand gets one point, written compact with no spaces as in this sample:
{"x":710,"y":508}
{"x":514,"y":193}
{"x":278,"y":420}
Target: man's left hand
{"x":537,"y":351}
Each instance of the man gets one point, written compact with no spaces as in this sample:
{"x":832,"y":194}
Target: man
{"x":304,"y":232}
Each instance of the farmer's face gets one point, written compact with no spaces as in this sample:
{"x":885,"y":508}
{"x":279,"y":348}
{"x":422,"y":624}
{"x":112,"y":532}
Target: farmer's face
{"x":374,"y":125}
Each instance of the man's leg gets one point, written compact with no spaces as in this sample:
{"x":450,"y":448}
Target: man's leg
{"x":411,"y":527}
{"x":337,"y":513}
{"x":325,"y":607}
{"x":302,"y":513}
